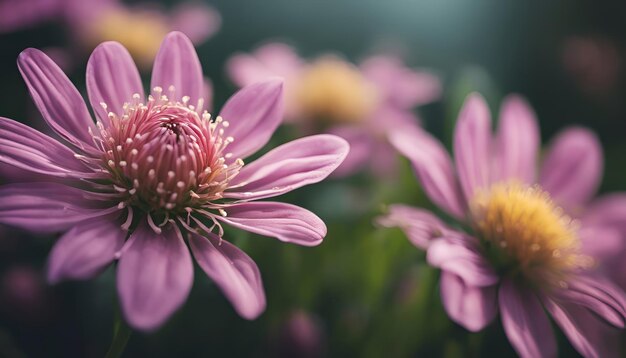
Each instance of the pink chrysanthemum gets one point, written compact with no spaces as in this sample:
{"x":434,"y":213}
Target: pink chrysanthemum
{"x":359,"y":103}
{"x":518,"y":248}
{"x":154,"y":173}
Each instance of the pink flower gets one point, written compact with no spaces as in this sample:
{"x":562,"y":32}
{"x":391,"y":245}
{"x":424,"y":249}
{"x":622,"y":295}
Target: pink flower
{"x":521,"y":251}
{"x":360,"y":103}
{"x":155,"y":173}
{"x":140,"y":27}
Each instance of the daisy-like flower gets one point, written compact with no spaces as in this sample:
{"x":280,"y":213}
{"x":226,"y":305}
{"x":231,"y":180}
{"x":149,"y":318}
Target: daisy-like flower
{"x":332,"y":95}
{"x":156,"y":173}
{"x":517,"y":248}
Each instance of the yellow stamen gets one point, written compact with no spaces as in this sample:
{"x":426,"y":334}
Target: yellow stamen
{"x":335,"y":90}
{"x":526,"y":232}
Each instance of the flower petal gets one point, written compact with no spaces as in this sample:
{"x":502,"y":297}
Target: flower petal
{"x":196,"y":20}
{"x":154,"y":276}
{"x":525,"y":323}
{"x":56,"y":97}
{"x":459,"y":254}
{"x":270,"y":60}
{"x":233,"y":271}
{"x":286,"y":222}
{"x":361,"y":147}
{"x":602,"y":297}
{"x":470,"y":306}
{"x":517,"y":142}
{"x":177,"y":65}
{"x":401,"y":86}
{"x":607,"y":211}
{"x":472,"y":145}
{"x":419,"y":225}
{"x":293,"y":165}
{"x":572,"y":169}
{"x":253,"y":114}
{"x":86,"y":249}
{"x":112,"y":79}
{"x":46,"y":207}
{"x":28,"y":149}
{"x":589,"y":335}
{"x":433,"y":168}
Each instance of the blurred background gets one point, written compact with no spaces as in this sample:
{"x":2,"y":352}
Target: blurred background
{"x":366,"y":290}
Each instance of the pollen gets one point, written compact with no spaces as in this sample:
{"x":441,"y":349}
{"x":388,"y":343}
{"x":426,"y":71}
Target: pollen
{"x":526,"y":233}
{"x":334,"y":90}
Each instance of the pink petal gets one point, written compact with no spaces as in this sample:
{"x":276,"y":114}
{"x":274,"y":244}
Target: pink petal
{"x":361,"y":147}
{"x":419,"y":225}
{"x":471,"y":307}
{"x":460,"y":255}
{"x":602,"y":242}
{"x":112,"y":78}
{"x":270,"y":60}
{"x":525,"y":322}
{"x":517,"y":142}
{"x":253,"y":113}
{"x":233,"y":271}
{"x":86,"y":249}
{"x":402,"y":86}
{"x":196,"y":20}
{"x":589,"y":335}
{"x":177,"y":65}
{"x":154,"y":276}
{"x":293,"y":165}
{"x":572,"y":169}
{"x":472,"y":145}
{"x":46,"y":207}
{"x":433,"y":167}
{"x":57,"y":99}
{"x":608,"y":210}
{"x":28,"y":149}
{"x":599,"y":296}
{"x":286,"y":222}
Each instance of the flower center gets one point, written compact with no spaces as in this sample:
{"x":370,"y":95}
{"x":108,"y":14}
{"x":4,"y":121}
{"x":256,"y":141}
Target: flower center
{"x":334,"y":90}
{"x":166,"y":158}
{"x":525,"y":233}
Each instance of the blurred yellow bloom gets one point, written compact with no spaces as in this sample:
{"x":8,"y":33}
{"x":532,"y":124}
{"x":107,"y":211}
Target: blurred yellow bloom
{"x":335,"y":90}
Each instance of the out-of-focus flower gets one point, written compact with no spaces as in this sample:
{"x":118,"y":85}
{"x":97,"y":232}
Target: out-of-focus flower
{"x":593,"y":63}
{"x":330,"y":94}
{"x":301,"y":335}
{"x":522,"y":252}
{"x":140,"y":28}
{"x":24,"y":294}
{"x":18,"y":14}
{"x":154,"y":172}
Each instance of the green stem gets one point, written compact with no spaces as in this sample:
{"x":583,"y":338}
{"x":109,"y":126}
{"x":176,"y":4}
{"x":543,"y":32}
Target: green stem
{"x":121,"y":335}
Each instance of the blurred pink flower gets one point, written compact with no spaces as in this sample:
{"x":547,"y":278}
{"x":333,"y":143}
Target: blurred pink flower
{"x":359,"y":104}
{"x":154,"y":172}
{"x":300,"y":335}
{"x":140,"y":27}
{"x":594,"y":63}
{"x":18,"y":14}
{"x":522,"y":254}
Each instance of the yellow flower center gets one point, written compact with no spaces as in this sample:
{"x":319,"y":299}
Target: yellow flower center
{"x":332,"y":89}
{"x":141,"y":32}
{"x":525,"y":233}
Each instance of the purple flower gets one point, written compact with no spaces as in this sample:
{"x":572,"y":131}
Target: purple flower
{"x":155,"y":173}
{"x":329,"y":94}
{"x":518,"y":247}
